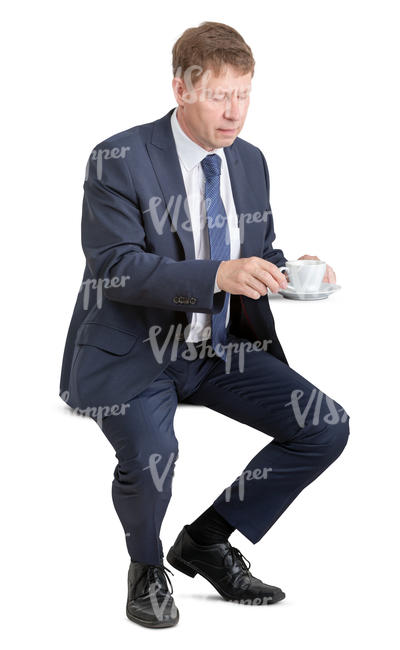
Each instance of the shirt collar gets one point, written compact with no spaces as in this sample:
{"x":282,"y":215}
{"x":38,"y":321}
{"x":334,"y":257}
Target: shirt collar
{"x":190,"y":153}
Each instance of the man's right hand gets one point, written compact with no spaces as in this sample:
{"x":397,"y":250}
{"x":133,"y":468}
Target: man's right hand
{"x":250,"y":276}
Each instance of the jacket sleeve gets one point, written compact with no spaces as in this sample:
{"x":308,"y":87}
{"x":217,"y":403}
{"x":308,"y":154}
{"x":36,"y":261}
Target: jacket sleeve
{"x":271,"y":254}
{"x":114,"y":244}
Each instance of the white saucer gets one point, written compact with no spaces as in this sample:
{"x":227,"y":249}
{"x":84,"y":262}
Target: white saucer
{"x":325,"y":290}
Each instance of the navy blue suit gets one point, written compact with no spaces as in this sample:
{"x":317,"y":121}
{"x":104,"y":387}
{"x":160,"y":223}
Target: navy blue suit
{"x":120,"y":239}
{"x":141,"y":273}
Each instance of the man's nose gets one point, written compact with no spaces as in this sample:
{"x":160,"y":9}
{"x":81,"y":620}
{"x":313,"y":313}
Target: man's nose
{"x":232,"y":109}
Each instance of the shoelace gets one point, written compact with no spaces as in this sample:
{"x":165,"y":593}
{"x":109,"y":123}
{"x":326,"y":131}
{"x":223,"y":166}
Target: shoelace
{"x":237,"y":555}
{"x":162,"y":569}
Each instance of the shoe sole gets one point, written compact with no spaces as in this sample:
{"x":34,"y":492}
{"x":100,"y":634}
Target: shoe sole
{"x":189,"y":570}
{"x":156,"y":625}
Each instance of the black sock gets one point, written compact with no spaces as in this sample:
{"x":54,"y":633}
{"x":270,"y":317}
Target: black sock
{"x":210,"y":528}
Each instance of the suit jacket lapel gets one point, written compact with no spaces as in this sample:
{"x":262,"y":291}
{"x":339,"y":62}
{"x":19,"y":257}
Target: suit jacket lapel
{"x":245,"y":202}
{"x":164,"y":157}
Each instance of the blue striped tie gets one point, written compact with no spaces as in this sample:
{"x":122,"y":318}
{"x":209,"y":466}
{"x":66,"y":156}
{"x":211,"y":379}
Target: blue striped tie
{"x":218,"y":232}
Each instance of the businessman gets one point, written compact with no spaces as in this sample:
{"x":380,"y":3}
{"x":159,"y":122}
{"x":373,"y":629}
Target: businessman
{"x":178,"y":234}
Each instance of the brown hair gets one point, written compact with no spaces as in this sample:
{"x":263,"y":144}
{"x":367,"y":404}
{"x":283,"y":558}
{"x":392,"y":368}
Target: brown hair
{"x":211,"y":45}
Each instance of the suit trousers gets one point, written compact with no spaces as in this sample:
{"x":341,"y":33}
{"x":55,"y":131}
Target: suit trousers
{"x":309,"y":430}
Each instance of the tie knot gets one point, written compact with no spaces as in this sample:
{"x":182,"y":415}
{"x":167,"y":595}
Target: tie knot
{"x":211,"y":165}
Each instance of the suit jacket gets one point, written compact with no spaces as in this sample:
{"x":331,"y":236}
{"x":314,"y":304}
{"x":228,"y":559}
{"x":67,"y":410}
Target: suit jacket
{"x":141,"y":271}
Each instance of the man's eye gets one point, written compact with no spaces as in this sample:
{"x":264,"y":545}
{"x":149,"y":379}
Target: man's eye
{"x":220,"y":98}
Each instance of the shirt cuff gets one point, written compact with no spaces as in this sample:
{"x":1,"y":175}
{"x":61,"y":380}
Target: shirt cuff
{"x":216,"y":287}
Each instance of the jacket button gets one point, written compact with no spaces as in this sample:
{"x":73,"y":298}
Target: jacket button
{"x":193,"y":301}
{"x":176,"y":299}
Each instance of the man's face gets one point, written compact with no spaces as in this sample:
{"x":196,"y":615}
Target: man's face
{"x":212,"y":111}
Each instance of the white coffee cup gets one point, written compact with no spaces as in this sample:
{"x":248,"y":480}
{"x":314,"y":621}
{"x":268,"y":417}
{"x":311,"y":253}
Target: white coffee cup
{"x":305,"y":275}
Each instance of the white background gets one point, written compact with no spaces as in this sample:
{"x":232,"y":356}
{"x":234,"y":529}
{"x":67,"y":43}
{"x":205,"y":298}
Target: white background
{"x":325,"y":112}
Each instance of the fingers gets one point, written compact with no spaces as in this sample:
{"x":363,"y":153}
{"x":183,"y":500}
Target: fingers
{"x":250,"y":292}
{"x":257,"y":288}
{"x":251,"y":277}
{"x":331,"y":274}
{"x":273,"y":284}
{"x":270,"y":275}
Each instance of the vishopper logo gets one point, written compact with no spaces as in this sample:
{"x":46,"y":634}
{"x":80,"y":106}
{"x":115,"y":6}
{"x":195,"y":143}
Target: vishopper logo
{"x":173,"y":208}
{"x":99,"y":155}
{"x":253,"y":601}
{"x":334,"y":416}
{"x":191,"y":352}
{"x":159,"y":479}
{"x":98,"y":285}
{"x":255,"y":474}
{"x":203,"y":92}
{"x":160,"y":606}
{"x":97,"y":412}
{"x":169,"y":216}
{"x":193,"y":95}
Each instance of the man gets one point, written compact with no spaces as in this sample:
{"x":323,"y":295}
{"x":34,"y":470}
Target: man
{"x":177,"y":233}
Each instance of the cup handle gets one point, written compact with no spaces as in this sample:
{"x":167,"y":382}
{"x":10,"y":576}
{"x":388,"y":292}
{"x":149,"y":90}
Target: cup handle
{"x":285,"y":268}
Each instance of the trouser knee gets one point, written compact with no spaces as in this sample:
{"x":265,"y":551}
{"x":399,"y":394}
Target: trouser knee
{"x":150,"y":470}
{"x":325,"y":440}
{"x":334,"y":438}
{"x":339,"y":436}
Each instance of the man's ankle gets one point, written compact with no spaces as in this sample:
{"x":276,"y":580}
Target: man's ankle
{"x":210,"y":528}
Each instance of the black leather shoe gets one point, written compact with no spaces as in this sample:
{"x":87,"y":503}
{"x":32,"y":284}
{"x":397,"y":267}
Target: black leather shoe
{"x":225,"y":568}
{"x":150,"y":602}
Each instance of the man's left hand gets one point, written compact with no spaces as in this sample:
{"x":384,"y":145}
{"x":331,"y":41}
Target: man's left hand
{"x":329,"y":276}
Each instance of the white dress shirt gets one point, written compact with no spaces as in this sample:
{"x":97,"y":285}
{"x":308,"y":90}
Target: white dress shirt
{"x":190,"y":156}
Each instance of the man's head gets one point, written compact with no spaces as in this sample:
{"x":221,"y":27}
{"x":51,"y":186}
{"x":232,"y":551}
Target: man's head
{"x":213,"y":68}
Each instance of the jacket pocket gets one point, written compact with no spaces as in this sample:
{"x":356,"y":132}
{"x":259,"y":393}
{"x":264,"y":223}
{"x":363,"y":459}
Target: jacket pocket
{"x":106,"y":338}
